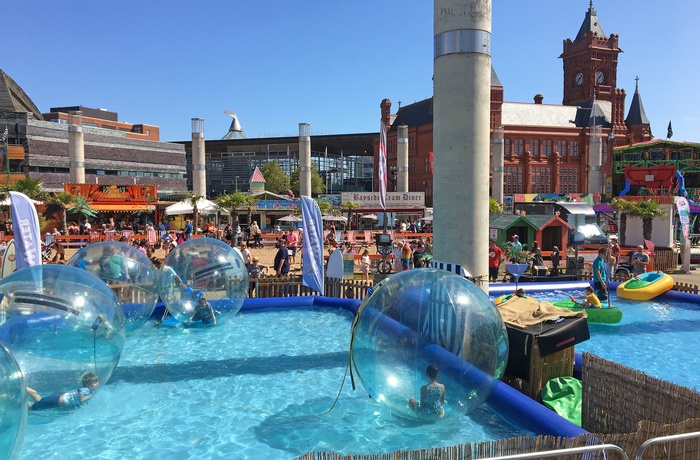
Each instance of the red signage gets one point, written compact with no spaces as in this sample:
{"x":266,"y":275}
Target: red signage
{"x":105,"y":193}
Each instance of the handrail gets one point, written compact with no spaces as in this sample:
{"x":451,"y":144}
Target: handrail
{"x":571,"y":450}
{"x":664,"y":439}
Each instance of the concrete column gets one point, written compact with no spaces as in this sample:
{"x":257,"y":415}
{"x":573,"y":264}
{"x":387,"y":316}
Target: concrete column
{"x":461,"y":131}
{"x":305,"y":159}
{"x":497,"y":151}
{"x":595,"y":149}
{"x":199,"y":172}
{"x":402,"y":159}
{"x":76,"y":148}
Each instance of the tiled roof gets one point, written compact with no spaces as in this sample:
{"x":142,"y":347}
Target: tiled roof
{"x":421,"y":113}
{"x":558,"y":116}
{"x":257,"y":176}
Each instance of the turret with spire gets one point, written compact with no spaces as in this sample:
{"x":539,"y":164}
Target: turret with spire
{"x":637,"y":122}
{"x":590,"y":62}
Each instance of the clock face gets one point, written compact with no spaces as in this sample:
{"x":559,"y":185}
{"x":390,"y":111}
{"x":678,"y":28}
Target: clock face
{"x":599,"y":77}
{"x":579,"y":78}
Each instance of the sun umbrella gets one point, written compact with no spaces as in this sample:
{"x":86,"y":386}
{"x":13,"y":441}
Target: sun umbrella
{"x":290,"y":218}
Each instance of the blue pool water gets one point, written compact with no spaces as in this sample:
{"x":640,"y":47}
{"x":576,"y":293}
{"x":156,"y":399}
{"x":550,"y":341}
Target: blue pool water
{"x":659,"y":337}
{"x":249,"y":389}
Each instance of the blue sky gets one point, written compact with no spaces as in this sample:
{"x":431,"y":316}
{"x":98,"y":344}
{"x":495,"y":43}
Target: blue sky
{"x":328,"y":63}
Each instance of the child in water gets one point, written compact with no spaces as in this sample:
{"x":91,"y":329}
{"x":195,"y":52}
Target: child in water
{"x":65,"y":400}
{"x":590,"y":299}
{"x":432,"y":396}
{"x":203,"y":312}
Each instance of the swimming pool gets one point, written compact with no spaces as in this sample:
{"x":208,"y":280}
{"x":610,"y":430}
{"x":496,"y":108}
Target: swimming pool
{"x":251,"y":388}
{"x":658,"y":337}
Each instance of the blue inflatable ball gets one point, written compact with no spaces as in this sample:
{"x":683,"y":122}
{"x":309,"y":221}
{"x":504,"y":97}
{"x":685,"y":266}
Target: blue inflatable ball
{"x":203,"y":281}
{"x":428,"y":344}
{"x":128,"y":272}
{"x":60,"y":323}
{"x":13,"y":405}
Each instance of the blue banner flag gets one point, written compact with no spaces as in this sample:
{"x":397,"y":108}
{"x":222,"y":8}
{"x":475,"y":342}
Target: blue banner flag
{"x":312,"y":248}
{"x":25,"y":227}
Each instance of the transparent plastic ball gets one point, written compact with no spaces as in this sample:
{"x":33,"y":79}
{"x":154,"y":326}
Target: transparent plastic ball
{"x":13,"y":401}
{"x":128,"y":272}
{"x":424,"y":318}
{"x":203,"y":281}
{"x":60,"y":323}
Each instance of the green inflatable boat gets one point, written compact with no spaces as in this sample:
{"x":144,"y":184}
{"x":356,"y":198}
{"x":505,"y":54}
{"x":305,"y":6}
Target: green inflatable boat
{"x":595,"y":315}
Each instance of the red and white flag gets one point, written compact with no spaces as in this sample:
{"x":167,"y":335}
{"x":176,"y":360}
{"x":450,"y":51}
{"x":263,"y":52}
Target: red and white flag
{"x":382,"y":165}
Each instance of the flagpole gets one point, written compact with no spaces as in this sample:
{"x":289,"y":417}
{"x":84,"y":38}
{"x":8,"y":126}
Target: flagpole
{"x":7,"y":156}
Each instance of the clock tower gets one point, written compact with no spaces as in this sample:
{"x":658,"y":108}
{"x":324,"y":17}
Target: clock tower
{"x":590,"y":63}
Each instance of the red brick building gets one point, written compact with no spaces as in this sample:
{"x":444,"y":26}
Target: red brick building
{"x":546,"y":146}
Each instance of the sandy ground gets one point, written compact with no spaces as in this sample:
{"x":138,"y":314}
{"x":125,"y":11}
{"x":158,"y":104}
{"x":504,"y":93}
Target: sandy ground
{"x":267,"y":257}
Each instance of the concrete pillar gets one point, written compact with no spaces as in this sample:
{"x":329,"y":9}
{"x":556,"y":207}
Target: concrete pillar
{"x":76,"y":148}
{"x":461,"y":131}
{"x":199,"y":172}
{"x":595,"y":149}
{"x":402,"y":159}
{"x":497,"y":152}
{"x":305,"y":159}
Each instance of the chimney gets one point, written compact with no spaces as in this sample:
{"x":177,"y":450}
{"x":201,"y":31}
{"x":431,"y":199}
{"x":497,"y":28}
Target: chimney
{"x":538,"y":98}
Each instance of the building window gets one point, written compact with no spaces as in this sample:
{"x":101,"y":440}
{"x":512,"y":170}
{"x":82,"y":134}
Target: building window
{"x":507,"y":147}
{"x":546,"y":147}
{"x":561,"y":147}
{"x":573,"y":148}
{"x":518,"y":147}
{"x":534,"y":147}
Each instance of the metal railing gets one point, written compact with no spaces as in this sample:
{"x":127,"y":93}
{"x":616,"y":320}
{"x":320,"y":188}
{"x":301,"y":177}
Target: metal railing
{"x":653,"y":442}
{"x":601,"y":448}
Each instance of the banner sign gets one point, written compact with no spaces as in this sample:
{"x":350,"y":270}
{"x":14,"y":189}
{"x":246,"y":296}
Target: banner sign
{"x":25,"y":227}
{"x":409,"y":200}
{"x":277,"y":204}
{"x":312,"y":250}
{"x":684,"y":214}
{"x":110,"y":193}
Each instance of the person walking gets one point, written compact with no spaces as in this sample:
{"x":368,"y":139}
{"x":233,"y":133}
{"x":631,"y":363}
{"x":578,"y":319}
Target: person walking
{"x":495,"y":259}
{"x":188,"y":230}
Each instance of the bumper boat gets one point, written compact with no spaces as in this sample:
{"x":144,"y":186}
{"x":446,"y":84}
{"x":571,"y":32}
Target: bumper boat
{"x":606,"y":314}
{"x":645,"y":286}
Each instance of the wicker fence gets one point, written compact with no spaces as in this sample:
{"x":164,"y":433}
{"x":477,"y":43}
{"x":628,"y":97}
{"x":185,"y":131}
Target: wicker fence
{"x":290,"y":286}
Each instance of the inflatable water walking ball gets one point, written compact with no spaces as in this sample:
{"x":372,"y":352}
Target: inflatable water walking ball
{"x":424,"y":318}
{"x":13,"y":401}
{"x":201,"y":272}
{"x":60,"y":323}
{"x":128,"y":272}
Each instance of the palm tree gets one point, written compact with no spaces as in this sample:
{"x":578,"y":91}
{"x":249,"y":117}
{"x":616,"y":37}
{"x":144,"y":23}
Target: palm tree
{"x":648,"y":210}
{"x":231,"y":202}
{"x":82,"y":206}
{"x":624,"y":208}
{"x":350,"y":206}
{"x":31,"y":187}
{"x":192,"y":200}
{"x":60,"y":200}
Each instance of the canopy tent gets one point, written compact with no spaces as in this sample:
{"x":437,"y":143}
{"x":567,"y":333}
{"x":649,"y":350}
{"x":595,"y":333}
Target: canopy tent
{"x":370,"y":216}
{"x":8,"y":202}
{"x":204,"y":206}
{"x":334,"y":218}
{"x":290,"y":218}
